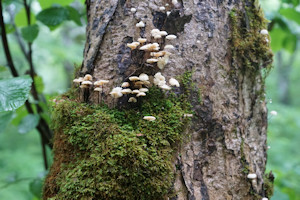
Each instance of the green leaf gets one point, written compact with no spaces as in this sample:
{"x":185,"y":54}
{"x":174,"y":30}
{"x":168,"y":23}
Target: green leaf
{"x":49,"y":3}
{"x":291,"y":14}
{"x":28,"y":123}
{"x":277,"y":37}
{"x":53,"y":16}
{"x":74,"y":15}
{"x":21,"y":18}
{"x":5,"y":118}
{"x":289,"y":43}
{"x":14,"y":92}
{"x":8,"y":28}
{"x":35,"y":187}
{"x":30,"y":33}
{"x":39,"y":84}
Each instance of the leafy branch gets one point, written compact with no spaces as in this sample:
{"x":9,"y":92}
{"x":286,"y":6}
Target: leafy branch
{"x":42,"y":126}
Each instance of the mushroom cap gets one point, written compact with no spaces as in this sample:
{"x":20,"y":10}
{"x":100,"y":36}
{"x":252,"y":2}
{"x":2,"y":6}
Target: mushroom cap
{"x":142,"y":40}
{"x":144,"y":90}
{"x":165,"y":87}
{"x":154,"y":31}
{"x":169,"y":46}
{"x":149,"y":118}
{"x":88,"y":77}
{"x":98,"y":89}
{"x":140,"y":24}
{"x":162,"y":8}
{"x":135,"y":91}
{"x":78,"y":80}
{"x":134,"y":78}
{"x":171,"y":37}
{"x":143,"y":77}
{"x":133,"y":9}
{"x":163,"y":33}
{"x":188,"y":115}
{"x":150,"y":47}
{"x":141,"y":94}
{"x":133,"y":45}
{"x":157,"y":36}
{"x":125,"y":84}
{"x":151,"y":60}
{"x":251,"y":176}
{"x":84,"y":86}
{"x":87,"y":83}
{"x":116,"y":92}
{"x":174,"y":82}
{"x":132,"y":100}
{"x":126,"y":91}
{"x":264,"y":32}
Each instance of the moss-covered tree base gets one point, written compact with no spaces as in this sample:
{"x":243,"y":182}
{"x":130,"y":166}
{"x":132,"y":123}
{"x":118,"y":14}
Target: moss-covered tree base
{"x":103,"y":153}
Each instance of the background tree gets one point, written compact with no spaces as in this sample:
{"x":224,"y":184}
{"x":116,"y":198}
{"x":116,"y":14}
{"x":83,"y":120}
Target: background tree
{"x":223,"y":47}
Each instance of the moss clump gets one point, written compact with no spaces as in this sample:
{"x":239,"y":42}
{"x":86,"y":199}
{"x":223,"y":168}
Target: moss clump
{"x":250,"y":49}
{"x":269,"y":184}
{"x":118,"y":154}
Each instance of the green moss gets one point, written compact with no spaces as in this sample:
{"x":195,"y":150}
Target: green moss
{"x":249,"y":48}
{"x":269,"y":184}
{"x":120,"y":155}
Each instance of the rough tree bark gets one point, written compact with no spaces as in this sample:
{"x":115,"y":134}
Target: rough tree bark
{"x":220,"y":42}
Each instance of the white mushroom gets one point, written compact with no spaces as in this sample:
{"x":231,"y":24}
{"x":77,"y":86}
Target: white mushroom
{"x":251,"y":176}
{"x":101,"y":82}
{"x":78,"y":80}
{"x":149,"y":118}
{"x":169,"y":46}
{"x":116,"y":92}
{"x":174,"y":82}
{"x":125,"y":84}
{"x":264,"y":32}
{"x":162,"y":8}
{"x":273,"y":112}
{"x":134,"y":78}
{"x":151,"y":60}
{"x":150,"y":47}
{"x":87,"y":83}
{"x":171,"y":37}
{"x":141,"y":94}
{"x":133,"y":10}
{"x":163,"y":33}
{"x":143,"y":77}
{"x":187,"y":115}
{"x":140,"y":24}
{"x":132,"y":100}
{"x":135,"y":91}
{"x":165,"y":87}
{"x":126,"y":91}
{"x":98,"y":89}
{"x":144,"y":90}
{"x":88,"y":77}
{"x":142,"y":40}
{"x":133,"y":45}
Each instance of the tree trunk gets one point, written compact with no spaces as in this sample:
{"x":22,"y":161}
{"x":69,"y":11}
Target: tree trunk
{"x":219,"y":43}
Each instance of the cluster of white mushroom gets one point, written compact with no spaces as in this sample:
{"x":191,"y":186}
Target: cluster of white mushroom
{"x":86,"y":82}
{"x":139,"y":83}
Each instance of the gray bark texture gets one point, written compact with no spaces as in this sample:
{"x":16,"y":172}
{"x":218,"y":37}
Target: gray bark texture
{"x":228,"y":133}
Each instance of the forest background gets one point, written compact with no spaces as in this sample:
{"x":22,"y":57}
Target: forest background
{"x":56,"y":35}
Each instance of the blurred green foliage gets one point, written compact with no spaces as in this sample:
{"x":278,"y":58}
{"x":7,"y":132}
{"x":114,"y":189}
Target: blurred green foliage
{"x":58,"y":35}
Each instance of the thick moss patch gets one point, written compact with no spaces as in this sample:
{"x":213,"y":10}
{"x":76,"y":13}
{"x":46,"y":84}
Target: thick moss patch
{"x":250,"y":48}
{"x":118,"y":154}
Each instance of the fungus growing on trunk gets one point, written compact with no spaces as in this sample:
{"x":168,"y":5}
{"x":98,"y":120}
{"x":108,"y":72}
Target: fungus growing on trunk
{"x":149,"y":118}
